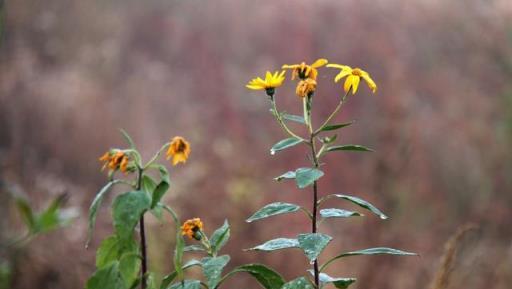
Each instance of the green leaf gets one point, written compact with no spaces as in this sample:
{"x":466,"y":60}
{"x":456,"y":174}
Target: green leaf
{"x":158,"y":193}
{"x":268,"y":278}
{"x":148,"y":184}
{"x":52,"y":217}
{"x":362,"y":203}
{"x":125,"y":251}
{"x":299,"y":283}
{"x":292,"y":117}
{"x":284,"y":144}
{"x":128,"y":139}
{"x":336,"y":126}
{"x":277,"y":244}
{"x":220,"y":237}
{"x":127,"y":210}
{"x":287,"y":175}
{"x":212,"y":269}
{"x":340,"y":283}
{"x":193,"y":248}
{"x":93,"y":210}
{"x":186,"y":284}
{"x":370,"y":251}
{"x":338,"y":213}
{"x":307,"y":176}
{"x":108,"y":277}
{"x":313,"y":244}
{"x":329,"y":139}
{"x":26,"y":213}
{"x":169,"y":278}
{"x":272,"y":210}
{"x":349,"y":148}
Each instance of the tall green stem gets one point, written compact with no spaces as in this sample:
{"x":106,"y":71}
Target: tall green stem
{"x":142,"y":236}
{"x":314,"y":222}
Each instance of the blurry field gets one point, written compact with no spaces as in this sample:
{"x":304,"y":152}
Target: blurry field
{"x":73,"y":72}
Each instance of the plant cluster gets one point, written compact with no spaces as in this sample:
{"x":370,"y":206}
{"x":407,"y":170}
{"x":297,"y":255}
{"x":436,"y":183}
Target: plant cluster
{"x":121,"y":259}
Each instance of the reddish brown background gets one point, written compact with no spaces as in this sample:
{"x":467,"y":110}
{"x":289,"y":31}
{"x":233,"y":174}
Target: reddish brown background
{"x":73,"y":72}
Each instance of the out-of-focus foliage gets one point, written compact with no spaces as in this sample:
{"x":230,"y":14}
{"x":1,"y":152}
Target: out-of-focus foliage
{"x":73,"y":72}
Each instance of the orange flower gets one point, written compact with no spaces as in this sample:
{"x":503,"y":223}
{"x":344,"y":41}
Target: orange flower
{"x":191,"y":228}
{"x":115,"y":160}
{"x":179,"y":150}
{"x":304,"y":70}
{"x":306,"y":87}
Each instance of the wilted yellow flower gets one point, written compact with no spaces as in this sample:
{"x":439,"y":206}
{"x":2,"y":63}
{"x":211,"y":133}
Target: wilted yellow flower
{"x":304,"y":70}
{"x":306,"y":87}
{"x":191,"y":227}
{"x":353,"y":77}
{"x":179,"y":150}
{"x":115,"y":160}
{"x":269,"y":84}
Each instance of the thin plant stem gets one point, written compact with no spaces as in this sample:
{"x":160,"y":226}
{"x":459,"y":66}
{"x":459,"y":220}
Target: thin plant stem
{"x":142,"y":237}
{"x":280,"y":120}
{"x":329,"y":118}
{"x":314,"y":221}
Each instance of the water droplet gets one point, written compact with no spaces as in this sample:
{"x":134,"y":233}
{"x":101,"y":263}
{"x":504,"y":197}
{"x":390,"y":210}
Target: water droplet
{"x":272,"y":152}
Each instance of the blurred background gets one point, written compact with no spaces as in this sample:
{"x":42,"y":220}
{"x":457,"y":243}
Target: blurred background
{"x":73,"y":72}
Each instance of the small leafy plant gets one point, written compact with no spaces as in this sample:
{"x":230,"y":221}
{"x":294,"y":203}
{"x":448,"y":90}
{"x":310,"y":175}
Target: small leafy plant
{"x":318,"y":144}
{"x":121,"y":259}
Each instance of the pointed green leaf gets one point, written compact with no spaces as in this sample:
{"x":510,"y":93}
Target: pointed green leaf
{"x":220,"y":237}
{"x":340,"y":283}
{"x":338,"y":213}
{"x":93,"y":210}
{"x":124,"y":251}
{"x":169,"y":278}
{"x":186,"y":284}
{"x":212,"y":269}
{"x":26,"y":213}
{"x":194,"y":248}
{"x":284,"y":144}
{"x":127,"y":210}
{"x":299,"y":283}
{"x":292,"y":117}
{"x":277,"y":244}
{"x":272,"y":210}
{"x":158,"y":193}
{"x":349,"y":148}
{"x":307,"y":176}
{"x":313,"y":244}
{"x":107,"y":277}
{"x":148,"y":184}
{"x":336,"y":126}
{"x":370,"y":251}
{"x":128,"y":139}
{"x":287,"y":175}
{"x":268,"y":278}
{"x":362,"y":203}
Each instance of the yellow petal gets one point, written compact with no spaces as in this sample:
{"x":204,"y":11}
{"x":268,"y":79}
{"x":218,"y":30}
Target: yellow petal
{"x":340,"y":75}
{"x":313,"y":74}
{"x":369,"y":81}
{"x":347,"y":84}
{"x":319,"y":63}
{"x":339,"y":66}
{"x":254,"y":87}
{"x":268,"y":76}
{"x":355,"y":83}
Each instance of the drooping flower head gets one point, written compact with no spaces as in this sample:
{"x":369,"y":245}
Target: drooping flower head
{"x":354,"y":76}
{"x":269,"y":84}
{"x":179,"y":150}
{"x":114,"y":160}
{"x":306,"y":87}
{"x":192,"y":228}
{"x":304,"y":70}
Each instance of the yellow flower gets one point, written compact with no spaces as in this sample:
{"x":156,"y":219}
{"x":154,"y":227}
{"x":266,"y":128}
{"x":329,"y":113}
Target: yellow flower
{"x":115,"y":160}
{"x":179,"y":150}
{"x":304,"y":70}
{"x":191,"y":228}
{"x":353,"y":77}
{"x":269,"y":84}
{"x":306,"y":87}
